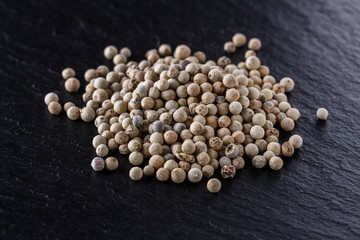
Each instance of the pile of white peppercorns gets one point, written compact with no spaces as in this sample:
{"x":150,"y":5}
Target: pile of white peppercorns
{"x":179,"y":116}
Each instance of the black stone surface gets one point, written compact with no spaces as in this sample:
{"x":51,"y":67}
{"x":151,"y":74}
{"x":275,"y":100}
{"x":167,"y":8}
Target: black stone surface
{"x":47,"y":187}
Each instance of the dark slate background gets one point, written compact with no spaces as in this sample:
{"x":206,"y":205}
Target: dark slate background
{"x":48,"y":189}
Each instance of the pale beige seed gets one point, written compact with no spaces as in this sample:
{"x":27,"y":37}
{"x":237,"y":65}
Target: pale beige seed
{"x":254,"y":44}
{"x":68,"y":73}
{"x":322,"y":114}
{"x":296,"y":141}
{"x":72,"y":84}
{"x":239,"y":39}
{"x":110,"y":52}
{"x":73,"y":113}
{"x":136,"y":173}
{"x":54,"y":108}
{"x":111,"y":163}
{"x":276,"y":163}
{"x":178,"y":175}
{"x":51,"y":97}
{"x":213,"y":185}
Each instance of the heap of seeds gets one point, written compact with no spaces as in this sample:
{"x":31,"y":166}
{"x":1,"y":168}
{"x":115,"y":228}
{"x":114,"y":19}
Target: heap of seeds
{"x":181,"y":116}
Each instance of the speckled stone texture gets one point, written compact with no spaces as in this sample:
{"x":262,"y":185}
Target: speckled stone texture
{"x":47,"y":187}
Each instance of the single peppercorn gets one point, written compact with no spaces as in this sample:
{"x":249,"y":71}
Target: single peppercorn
{"x":228,"y":171}
{"x":178,"y":175}
{"x":287,"y":149}
{"x":102,"y":150}
{"x":51,"y":97}
{"x":229,"y":47}
{"x":98,"y":164}
{"x":287,"y":124}
{"x":195,"y":175}
{"x":111,"y":163}
{"x":54,"y":108}
{"x":72,"y":84}
{"x":136,"y":173}
{"x":73,"y":113}
{"x":296,"y":141}
{"x":182,"y":51}
{"x":148,"y":170}
{"x":239,"y":40}
{"x":322,"y":113}
{"x":87,"y":114}
{"x":136,"y":158}
{"x":110,"y":52}
{"x":254,"y":44}
{"x":163,"y":174}
{"x":259,"y":161}
{"x":213,"y":185}
{"x":276,"y":163}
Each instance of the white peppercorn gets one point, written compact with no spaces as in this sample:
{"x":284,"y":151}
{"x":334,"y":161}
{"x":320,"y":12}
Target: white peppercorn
{"x":72,"y":84}
{"x":110,"y":52}
{"x":257,"y":132}
{"x":228,"y":171}
{"x":102,"y":150}
{"x":238,"y":163}
{"x":73,"y":113}
{"x":178,"y":175}
{"x":259,"y":161}
{"x":287,"y":124}
{"x":287,"y":149}
{"x":98,"y":164}
{"x":296,"y":141}
{"x":195,"y":175}
{"x":254,"y":44}
{"x":87,"y":114}
{"x":274,"y":147}
{"x":276,"y":163}
{"x":239,"y":39}
{"x":136,"y":158}
{"x":51,"y":97}
{"x":68,"y":73}
{"x":148,"y":170}
{"x":163,"y":174}
{"x":322,"y":113}
{"x":136,"y":173}
{"x":54,"y":108}
{"x":213,"y":185}
{"x":111,"y":163}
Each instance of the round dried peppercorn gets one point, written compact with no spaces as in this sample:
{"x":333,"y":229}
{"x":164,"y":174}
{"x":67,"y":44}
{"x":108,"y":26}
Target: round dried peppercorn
{"x":228,"y":171}
{"x":72,"y":84}
{"x":110,"y":52}
{"x":163,"y":174}
{"x":73,"y":113}
{"x":68,"y":73}
{"x":136,"y":173}
{"x":54,"y":108}
{"x":296,"y":141}
{"x":182,"y":51}
{"x":51,"y":97}
{"x":98,"y":164}
{"x":287,"y":149}
{"x":232,"y":151}
{"x":239,"y":40}
{"x":229,"y":47}
{"x":213,"y":185}
{"x":276,"y":163}
{"x":178,"y":175}
{"x":111,"y":163}
{"x":195,"y":175}
{"x":259,"y":161}
{"x":322,"y":114}
{"x":254,"y":44}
